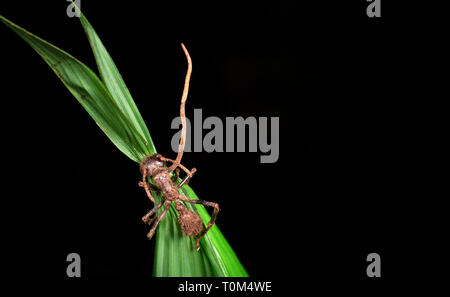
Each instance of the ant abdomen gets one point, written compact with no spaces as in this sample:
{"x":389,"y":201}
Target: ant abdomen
{"x":190,"y":222}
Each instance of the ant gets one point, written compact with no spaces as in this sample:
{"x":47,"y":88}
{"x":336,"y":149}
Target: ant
{"x":154,"y":167}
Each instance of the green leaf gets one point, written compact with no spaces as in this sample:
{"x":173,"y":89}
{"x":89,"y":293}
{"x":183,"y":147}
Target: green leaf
{"x":115,"y":84}
{"x":92,"y":94}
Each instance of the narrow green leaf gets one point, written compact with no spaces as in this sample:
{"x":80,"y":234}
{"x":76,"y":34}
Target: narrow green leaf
{"x":92,"y":94}
{"x":115,"y":84}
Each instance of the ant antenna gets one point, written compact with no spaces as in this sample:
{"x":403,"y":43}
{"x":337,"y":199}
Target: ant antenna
{"x":182,"y":111}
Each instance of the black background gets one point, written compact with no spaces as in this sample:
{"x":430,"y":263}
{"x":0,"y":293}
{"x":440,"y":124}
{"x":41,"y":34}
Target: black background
{"x":324,"y":68}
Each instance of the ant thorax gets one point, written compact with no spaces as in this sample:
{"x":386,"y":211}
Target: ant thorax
{"x":164,"y":182}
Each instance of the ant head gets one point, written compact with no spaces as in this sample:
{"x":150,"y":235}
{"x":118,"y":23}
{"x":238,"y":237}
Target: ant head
{"x":152,"y":163}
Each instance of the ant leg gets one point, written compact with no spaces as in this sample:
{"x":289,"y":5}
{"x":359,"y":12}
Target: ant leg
{"x":187,"y":178}
{"x":189,"y":173}
{"x":176,"y":176}
{"x":146,"y":219}
{"x":150,"y":186}
{"x":210,"y":223}
{"x":150,"y":220}
{"x":155,"y":225}
{"x":146,"y":187}
{"x":179,"y":165}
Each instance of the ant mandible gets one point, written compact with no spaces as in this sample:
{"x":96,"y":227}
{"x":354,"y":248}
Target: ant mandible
{"x":154,"y":166}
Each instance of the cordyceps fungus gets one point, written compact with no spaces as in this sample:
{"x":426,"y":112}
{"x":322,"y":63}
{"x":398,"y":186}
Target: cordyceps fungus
{"x":154,"y":166}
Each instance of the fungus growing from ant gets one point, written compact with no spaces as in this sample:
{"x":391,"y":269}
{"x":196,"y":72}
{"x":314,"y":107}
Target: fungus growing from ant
{"x":154,"y":167}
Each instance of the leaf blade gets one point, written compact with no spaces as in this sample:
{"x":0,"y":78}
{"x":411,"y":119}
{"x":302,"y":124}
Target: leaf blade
{"x":114,"y":82}
{"x":90,"y":92}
